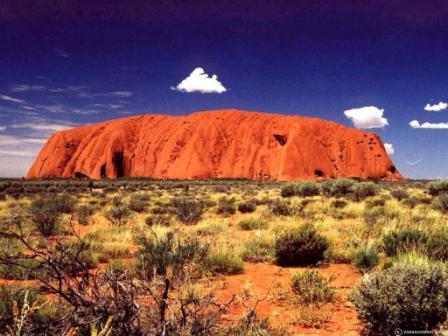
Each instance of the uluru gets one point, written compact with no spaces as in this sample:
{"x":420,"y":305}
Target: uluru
{"x":215,"y":144}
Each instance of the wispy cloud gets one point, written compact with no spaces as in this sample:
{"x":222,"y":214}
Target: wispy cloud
{"x":413,"y":163}
{"x":428,"y":125}
{"x":45,"y":126}
{"x":436,"y":107}
{"x":12,"y":99}
{"x":120,"y":94}
{"x":25,"y":88}
{"x":61,"y":53}
{"x":199,"y":81}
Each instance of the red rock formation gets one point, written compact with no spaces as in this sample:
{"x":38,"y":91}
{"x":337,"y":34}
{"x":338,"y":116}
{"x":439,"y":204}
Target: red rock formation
{"x":215,"y":144}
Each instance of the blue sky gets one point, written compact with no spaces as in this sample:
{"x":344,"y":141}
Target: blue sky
{"x":68,"y":64}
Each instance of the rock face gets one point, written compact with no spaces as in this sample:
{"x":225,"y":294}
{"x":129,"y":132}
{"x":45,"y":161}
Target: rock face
{"x":215,"y":144}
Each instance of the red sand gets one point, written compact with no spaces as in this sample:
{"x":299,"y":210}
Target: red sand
{"x":264,"y":280}
{"x":215,"y":144}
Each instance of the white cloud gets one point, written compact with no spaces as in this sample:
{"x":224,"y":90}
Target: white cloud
{"x":2,"y":128}
{"x":427,"y":125}
{"x":199,"y":81}
{"x":390,"y":150}
{"x":12,"y":99}
{"x":436,"y":107}
{"x":367,"y":117}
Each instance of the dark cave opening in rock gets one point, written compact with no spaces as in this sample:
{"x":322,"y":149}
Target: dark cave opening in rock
{"x":281,"y":139}
{"x":103,"y":171}
{"x":118,"y":161}
{"x":319,"y":173}
{"x":392,"y":169}
{"x":81,"y":175}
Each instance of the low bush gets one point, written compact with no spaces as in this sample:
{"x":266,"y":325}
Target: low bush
{"x":366,"y":258}
{"x":373,"y":215}
{"x":409,"y":297}
{"x":306,"y":189}
{"x":338,"y":204}
{"x":187,"y":210}
{"x":247,"y":207}
{"x":443,"y":202}
{"x":226,"y":207}
{"x":312,"y":287}
{"x":403,"y":241}
{"x":288,"y":190}
{"x":281,"y":208}
{"x":223,"y":263}
{"x":364,"y":189}
{"x":252,"y":224}
{"x":163,"y":219}
{"x":399,"y":194}
{"x":338,"y":187}
{"x":438,"y":187}
{"x":46,"y":216}
{"x":83,"y":213}
{"x":303,"y":246}
{"x":138,"y":202}
{"x":437,"y":247}
{"x":119,"y":215}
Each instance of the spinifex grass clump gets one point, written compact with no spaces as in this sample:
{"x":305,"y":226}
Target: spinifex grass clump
{"x":311,"y":287}
{"x":187,"y":210}
{"x":302,"y":247}
{"x":46,"y":215}
{"x":119,"y":215}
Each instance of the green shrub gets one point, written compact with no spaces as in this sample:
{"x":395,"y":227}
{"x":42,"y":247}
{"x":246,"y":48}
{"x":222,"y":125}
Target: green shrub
{"x":409,"y":297}
{"x":223,"y":263}
{"x":281,"y":208}
{"x":364,"y":189}
{"x":187,"y":210}
{"x":438,"y":187}
{"x":164,"y":220}
{"x":437,"y":247}
{"x":399,"y":194}
{"x":306,"y":189}
{"x":252,"y":224}
{"x":443,"y":202}
{"x":138,"y":202}
{"x":45,"y":215}
{"x":312,"y":287}
{"x":247,"y":207}
{"x":119,"y":215}
{"x":226,"y":207}
{"x":404,"y":241}
{"x":22,"y":269}
{"x":411,"y":202}
{"x":338,"y":204}
{"x":64,"y":203}
{"x":366,"y":258}
{"x":84,"y":212}
{"x":288,"y":190}
{"x":302,"y":247}
{"x":338,"y":187}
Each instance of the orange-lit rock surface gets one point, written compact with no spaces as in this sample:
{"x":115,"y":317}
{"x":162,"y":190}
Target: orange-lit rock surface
{"x":215,"y":144}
